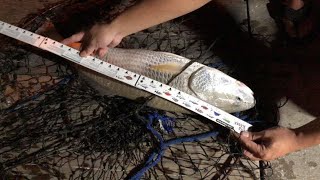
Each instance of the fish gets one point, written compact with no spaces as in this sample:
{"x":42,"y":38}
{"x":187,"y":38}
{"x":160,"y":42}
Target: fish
{"x":206,"y":83}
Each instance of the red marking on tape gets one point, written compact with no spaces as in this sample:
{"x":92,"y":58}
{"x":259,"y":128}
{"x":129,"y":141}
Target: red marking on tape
{"x":128,"y":77}
{"x":204,"y":107}
{"x":167,"y":93}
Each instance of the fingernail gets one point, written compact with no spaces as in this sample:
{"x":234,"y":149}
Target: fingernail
{"x":245,"y":134}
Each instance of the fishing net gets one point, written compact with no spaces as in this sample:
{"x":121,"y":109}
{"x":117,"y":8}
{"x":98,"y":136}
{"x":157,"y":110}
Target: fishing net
{"x":56,"y":126}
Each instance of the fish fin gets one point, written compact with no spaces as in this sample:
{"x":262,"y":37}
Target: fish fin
{"x":170,"y":67}
{"x":173,"y":55}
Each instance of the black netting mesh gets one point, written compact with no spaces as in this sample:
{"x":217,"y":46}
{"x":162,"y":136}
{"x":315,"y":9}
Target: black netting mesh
{"x":55,"y":126}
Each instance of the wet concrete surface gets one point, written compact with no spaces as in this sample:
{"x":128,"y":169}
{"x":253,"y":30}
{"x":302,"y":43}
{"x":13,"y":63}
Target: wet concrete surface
{"x":294,"y":79}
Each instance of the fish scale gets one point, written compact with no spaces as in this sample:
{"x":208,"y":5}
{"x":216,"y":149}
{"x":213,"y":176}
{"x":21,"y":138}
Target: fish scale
{"x":111,"y":87}
{"x":150,"y":58}
{"x":196,"y":80}
{"x":103,"y":70}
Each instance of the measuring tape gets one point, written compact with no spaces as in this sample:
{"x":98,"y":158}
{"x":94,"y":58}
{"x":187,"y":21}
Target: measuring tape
{"x":141,"y":82}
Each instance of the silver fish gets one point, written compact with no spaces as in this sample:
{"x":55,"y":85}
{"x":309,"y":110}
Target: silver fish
{"x":203,"y":82}
{"x":206,"y":83}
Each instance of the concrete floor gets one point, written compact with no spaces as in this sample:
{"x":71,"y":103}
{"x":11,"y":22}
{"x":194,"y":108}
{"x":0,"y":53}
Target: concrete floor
{"x":299,"y":165}
{"x":302,"y":164}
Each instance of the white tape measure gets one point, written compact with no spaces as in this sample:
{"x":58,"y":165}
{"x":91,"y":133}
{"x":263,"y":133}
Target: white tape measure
{"x":141,"y":82}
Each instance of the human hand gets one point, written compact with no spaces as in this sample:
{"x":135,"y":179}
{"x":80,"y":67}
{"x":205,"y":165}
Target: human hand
{"x":97,"y":40}
{"x":269,"y":144}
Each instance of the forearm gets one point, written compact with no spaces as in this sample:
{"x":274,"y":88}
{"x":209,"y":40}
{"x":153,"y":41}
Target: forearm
{"x":308,"y":135}
{"x":148,"y":13}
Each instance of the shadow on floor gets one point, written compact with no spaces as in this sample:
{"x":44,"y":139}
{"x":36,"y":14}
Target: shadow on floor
{"x":273,"y":72}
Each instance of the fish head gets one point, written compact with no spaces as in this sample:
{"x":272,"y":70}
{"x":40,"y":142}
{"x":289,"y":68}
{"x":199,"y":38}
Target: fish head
{"x":221,"y":90}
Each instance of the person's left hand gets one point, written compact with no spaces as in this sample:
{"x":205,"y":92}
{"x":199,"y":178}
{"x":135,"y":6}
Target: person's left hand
{"x":269,"y":144}
{"x":97,"y":40}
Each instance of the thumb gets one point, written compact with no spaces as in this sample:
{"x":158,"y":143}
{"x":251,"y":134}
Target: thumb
{"x":74,"y":38}
{"x":251,"y":135}
{"x":248,"y":138}
{"x":87,"y":51}
{"x":102,"y":52}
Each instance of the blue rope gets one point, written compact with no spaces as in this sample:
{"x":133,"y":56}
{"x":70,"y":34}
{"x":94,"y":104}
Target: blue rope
{"x":156,"y":156}
{"x":217,"y":65}
{"x":248,"y":119}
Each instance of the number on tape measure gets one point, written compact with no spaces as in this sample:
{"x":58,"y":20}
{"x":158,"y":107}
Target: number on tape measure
{"x":127,"y":77}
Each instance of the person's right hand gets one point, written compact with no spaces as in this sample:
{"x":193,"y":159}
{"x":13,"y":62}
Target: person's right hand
{"x":269,"y":144}
{"x":97,"y":40}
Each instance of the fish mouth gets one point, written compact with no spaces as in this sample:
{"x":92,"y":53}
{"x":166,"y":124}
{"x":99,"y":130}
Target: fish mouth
{"x":245,"y":88}
{"x":251,"y":104}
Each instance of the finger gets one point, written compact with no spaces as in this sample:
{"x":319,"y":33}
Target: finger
{"x":74,"y":38}
{"x":251,"y":146}
{"x":235,"y":134}
{"x":87,"y":51}
{"x":114,"y":43}
{"x":305,"y":28}
{"x":252,"y":135}
{"x":250,"y":155}
{"x":94,"y":53}
{"x":102,"y":52}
